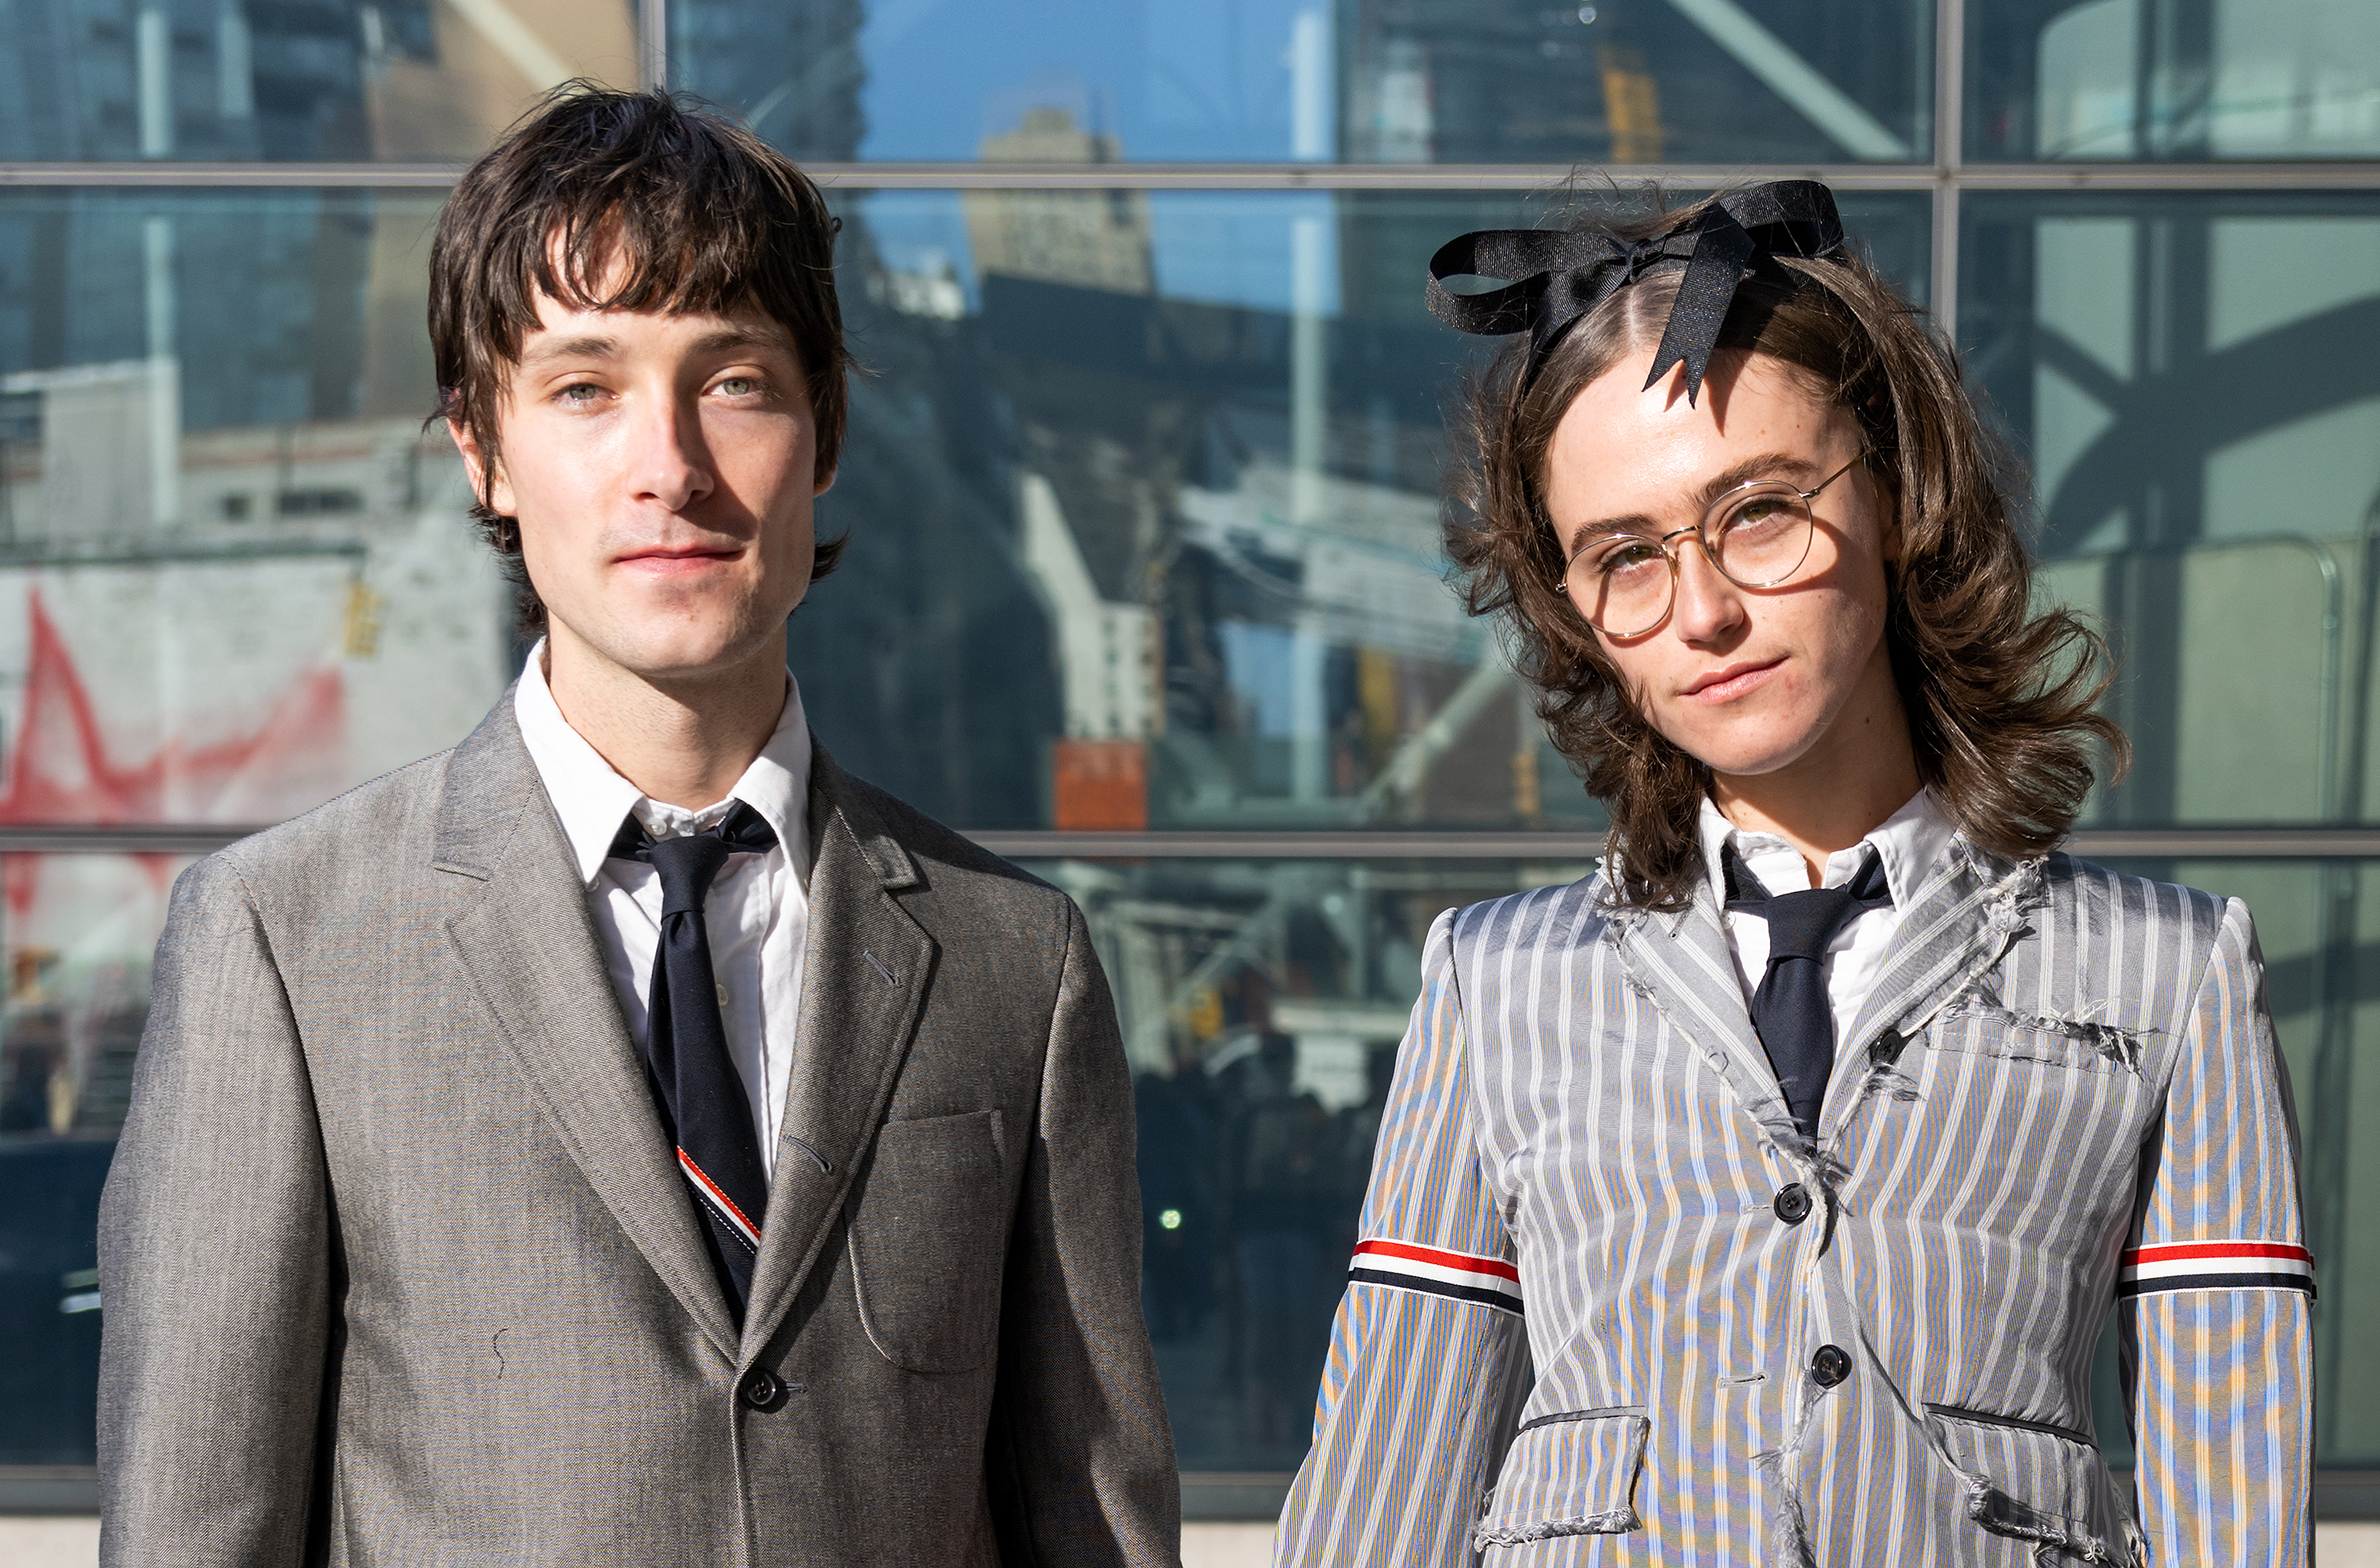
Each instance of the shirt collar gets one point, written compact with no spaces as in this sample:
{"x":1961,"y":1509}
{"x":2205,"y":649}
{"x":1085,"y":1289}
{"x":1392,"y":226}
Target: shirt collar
{"x":592,"y":799}
{"x":1910,"y":842}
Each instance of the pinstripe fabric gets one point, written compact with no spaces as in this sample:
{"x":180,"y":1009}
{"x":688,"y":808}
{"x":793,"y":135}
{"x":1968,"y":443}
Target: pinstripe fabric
{"x":2057,"y":1066}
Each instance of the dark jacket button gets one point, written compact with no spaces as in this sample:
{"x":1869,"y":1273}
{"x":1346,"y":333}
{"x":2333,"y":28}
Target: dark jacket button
{"x":761,"y":1388}
{"x":1829,"y":1366}
{"x":1792,"y":1203}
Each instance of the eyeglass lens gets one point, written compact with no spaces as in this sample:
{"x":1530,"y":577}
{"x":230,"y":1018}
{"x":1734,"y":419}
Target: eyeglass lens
{"x":1623,"y":584}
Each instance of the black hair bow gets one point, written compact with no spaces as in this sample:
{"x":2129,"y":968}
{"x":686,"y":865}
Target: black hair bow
{"x":1560,"y":275}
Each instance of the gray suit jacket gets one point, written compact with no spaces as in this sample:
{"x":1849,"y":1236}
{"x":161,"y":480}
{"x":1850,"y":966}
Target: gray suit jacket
{"x":398,"y":1270}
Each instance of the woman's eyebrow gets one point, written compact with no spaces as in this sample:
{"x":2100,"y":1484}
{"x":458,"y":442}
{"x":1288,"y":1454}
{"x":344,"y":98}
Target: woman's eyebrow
{"x":1760,"y":465}
{"x":1634,"y":523}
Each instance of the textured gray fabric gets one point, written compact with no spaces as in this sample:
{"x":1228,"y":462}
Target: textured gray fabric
{"x":398,"y":1270}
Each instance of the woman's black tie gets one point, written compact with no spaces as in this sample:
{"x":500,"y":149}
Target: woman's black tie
{"x":704,"y":1110}
{"x":1789,"y":1010}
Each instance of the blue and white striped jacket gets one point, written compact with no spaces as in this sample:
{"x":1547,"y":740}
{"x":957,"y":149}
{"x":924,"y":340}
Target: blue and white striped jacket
{"x":2062,"y":1096}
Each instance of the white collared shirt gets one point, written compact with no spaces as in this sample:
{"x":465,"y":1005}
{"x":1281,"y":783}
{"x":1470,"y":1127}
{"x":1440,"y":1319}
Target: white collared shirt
{"x":1910,"y":842}
{"x":757,"y":911}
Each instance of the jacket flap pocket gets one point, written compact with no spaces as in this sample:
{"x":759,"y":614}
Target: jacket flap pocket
{"x":2034,"y":1481}
{"x":1572,"y":1474}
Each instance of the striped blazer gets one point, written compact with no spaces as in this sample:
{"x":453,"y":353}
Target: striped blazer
{"x":2062,"y":1096}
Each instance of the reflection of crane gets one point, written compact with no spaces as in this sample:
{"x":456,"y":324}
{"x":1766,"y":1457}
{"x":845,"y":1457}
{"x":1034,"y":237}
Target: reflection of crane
{"x":2296,"y":369}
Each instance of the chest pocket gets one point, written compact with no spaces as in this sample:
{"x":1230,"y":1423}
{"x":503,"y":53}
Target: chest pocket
{"x":2081,"y":1045}
{"x":929,"y":1235}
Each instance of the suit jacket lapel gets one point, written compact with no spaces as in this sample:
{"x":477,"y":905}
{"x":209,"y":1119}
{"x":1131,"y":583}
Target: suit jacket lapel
{"x":1684,"y":963}
{"x":529,"y":947}
{"x":1957,"y":928}
{"x":863,"y":989}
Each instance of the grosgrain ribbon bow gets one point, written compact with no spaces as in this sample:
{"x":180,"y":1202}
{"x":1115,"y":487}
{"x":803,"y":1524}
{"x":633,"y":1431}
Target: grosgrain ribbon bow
{"x":1560,"y":275}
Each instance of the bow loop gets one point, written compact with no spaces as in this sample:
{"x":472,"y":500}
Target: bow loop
{"x":1558,"y":277}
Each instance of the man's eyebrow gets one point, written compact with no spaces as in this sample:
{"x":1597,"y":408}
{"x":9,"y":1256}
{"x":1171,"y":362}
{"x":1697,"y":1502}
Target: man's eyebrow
{"x":590,"y":348}
{"x":1760,"y":465}
{"x":726,"y":338}
{"x":596,"y":347}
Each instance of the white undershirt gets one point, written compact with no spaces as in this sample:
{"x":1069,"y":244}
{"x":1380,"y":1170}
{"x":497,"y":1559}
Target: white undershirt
{"x":1910,"y":842}
{"x":758,"y":911}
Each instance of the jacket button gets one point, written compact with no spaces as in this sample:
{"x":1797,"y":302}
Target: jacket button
{"x":761,"y":1387}
{"x":1792,"y":1203}
{"x":1829,"y":1366}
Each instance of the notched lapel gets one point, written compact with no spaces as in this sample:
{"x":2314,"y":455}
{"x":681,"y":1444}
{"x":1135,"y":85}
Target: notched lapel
{"x":530,"y":948}
{"x":1684,"y":963}
{"x":867,"y":967}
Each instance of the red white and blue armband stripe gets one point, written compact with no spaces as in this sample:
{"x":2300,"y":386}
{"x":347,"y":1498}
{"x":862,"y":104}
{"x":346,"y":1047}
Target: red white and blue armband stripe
{"x":1459,"y":1276}
{"x":2216,"y":1265}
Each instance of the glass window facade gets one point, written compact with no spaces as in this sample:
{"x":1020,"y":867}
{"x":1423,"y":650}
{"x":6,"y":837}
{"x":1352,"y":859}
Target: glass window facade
{"x":1142,"y":489}
{"x":1364,"y":81}
{"x":294,"y":81}
{"x":2185,"y":81}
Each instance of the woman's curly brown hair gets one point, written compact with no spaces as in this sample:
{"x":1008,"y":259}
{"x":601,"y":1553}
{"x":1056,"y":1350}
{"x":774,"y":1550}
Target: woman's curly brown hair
{"x":2001,"y":700}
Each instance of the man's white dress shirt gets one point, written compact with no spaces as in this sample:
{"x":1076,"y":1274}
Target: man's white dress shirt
{"x":757,"y":912}
{"x":1910,"y":842}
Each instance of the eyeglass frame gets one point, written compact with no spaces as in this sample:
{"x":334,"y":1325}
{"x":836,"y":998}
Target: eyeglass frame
{"x":1710,"y":552}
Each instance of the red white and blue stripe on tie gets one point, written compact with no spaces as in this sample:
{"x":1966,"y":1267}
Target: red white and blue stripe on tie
{"x":2216,"y":1265}
{"x":709,"y":1193}
{"x":1485,"y":1282}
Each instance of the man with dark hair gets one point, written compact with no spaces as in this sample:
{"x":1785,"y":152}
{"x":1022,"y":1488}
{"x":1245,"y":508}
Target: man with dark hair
{"x":627,"y":1137}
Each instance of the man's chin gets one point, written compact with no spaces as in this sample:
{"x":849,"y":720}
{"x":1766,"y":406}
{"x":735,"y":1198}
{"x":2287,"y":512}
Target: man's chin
{"x":695,"y":655}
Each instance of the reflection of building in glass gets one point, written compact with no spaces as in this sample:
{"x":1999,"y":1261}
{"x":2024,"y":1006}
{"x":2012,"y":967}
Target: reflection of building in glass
{"x":1089,"y":238}
{"x":226,"y":80}
{"x":225,"y":595}
{"x":2112,"y":80}
{"x":791,"y":67}
{"x":1518,"y":81}
{"x":1084,"y":498}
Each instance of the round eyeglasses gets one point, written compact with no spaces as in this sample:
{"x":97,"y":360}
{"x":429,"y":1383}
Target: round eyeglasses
{"x":1757,"y":535}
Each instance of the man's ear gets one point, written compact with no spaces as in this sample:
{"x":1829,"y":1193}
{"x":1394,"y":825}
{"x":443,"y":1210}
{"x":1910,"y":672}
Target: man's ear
{"x":825,"y":484}
{"x":493,"y":489}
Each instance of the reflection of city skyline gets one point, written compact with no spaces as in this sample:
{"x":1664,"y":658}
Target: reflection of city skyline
{"x":397,"y":79}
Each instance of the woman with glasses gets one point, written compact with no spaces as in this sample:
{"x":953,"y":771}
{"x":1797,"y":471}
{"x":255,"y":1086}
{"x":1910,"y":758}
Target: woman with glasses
{"x":1762,"y":1199}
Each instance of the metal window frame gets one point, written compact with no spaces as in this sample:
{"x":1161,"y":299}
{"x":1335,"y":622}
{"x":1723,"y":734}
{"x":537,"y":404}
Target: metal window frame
{"x":1207,"y":1496}
{"x":1542,"y":849}
{"x":1946,"y":177}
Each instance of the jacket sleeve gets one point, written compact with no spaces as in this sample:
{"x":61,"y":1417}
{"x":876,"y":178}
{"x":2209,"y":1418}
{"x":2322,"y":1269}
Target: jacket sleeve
{"x":214,"y":1236}
{"x":1080,"y":1458}
{"x":1428,"y":1362}
{"x":2216,"y":1307}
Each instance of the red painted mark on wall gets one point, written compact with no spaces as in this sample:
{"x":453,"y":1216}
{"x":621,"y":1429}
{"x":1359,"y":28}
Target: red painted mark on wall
{"x":58,"y":768}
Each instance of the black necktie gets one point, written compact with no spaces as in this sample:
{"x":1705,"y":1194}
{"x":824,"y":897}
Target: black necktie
{"x":704,"y":1110}
{"x":1790,"y":1011}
